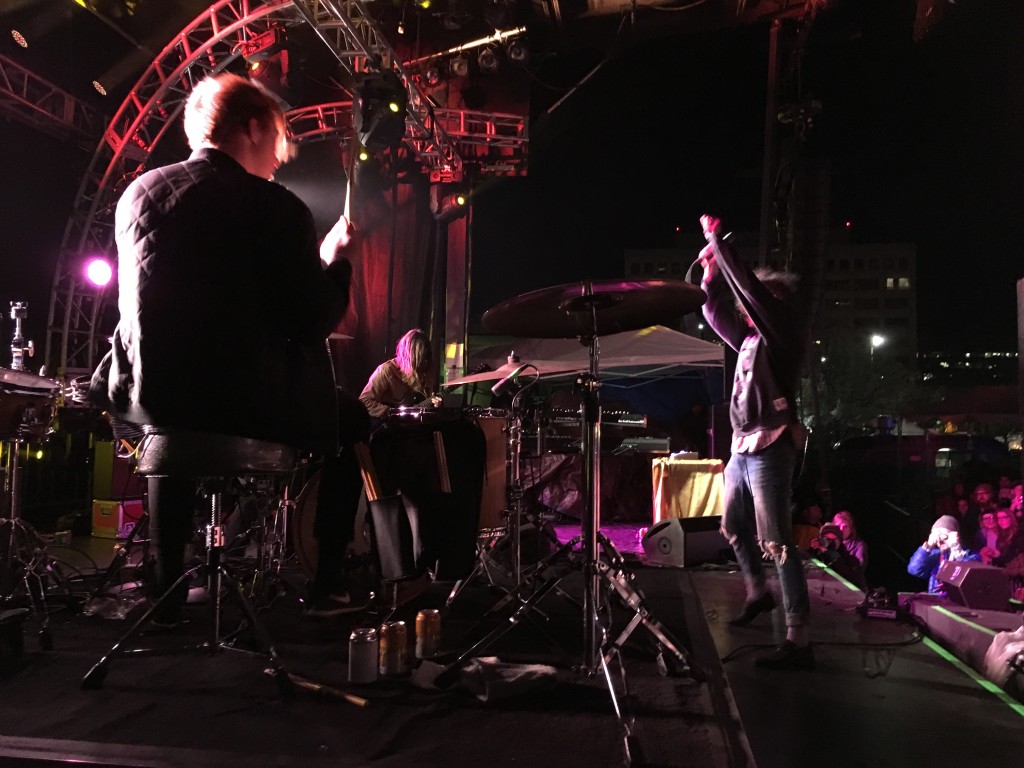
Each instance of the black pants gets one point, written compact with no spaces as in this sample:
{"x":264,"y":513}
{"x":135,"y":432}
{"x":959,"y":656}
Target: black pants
{"x":172,"y":502}
{"x":338,"y":502}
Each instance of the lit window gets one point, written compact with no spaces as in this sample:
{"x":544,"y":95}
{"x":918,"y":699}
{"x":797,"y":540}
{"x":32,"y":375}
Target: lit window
{"x":904,"y":283}
{"x":890,"y":283}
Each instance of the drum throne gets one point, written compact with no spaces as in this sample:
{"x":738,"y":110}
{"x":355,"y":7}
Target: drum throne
{"x":213,"y":459}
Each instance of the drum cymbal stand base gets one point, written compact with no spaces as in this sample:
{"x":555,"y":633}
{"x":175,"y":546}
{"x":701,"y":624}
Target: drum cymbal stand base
{"x":218,"y":575}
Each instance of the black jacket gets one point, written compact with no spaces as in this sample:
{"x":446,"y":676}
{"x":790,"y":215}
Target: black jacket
{"x":224,"y":307}
{"x":778,"y":340}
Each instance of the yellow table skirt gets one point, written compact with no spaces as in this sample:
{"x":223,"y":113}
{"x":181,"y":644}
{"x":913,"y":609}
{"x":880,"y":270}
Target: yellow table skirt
{"x":687,"y":487}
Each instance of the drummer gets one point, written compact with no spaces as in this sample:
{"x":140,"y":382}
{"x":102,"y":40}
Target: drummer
{"x":406,"y":379}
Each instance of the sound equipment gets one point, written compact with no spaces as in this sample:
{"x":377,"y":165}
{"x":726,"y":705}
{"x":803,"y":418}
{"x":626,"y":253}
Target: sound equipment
{"x":684,"y":541}
{"x":976,"y":585}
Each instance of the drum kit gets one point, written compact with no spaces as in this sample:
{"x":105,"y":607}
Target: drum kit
{"x":28,"y":406}
{"x":585,"y":311}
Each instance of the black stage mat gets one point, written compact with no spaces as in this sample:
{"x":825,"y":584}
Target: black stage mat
{"x":203,"y":710}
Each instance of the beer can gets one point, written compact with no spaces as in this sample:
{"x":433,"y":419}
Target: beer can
{"x":393,"y":659}
{"x":362,"y":655}
{"x":428,"y":632}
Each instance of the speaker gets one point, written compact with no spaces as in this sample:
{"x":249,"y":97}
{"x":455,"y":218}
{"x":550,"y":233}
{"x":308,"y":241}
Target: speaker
{"x":976,"y":585}
{"x":684,"y":541}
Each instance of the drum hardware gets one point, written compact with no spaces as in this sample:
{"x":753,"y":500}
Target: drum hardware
{"x":489,"y":539}
{"x":27,"y":409}
{"x":19,"y":348}
{"x":588,"y":311}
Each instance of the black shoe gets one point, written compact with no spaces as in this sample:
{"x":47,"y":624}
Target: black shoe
{"x":752,"y":609}
{"x":789,"y":655}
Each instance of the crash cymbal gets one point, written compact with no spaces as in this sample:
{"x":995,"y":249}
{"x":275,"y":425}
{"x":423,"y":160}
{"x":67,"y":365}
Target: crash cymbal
{"x":593,"y":308}
{"x":498,"y":373}
{"x":25,"y":380}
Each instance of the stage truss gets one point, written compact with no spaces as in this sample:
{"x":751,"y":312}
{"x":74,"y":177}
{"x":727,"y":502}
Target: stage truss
{"x":440,"y":138}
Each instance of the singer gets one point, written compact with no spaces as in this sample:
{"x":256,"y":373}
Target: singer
{"x":224,"y":305}
{"x":769,"y":333}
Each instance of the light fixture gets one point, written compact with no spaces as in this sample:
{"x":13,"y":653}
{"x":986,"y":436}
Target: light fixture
{"x":487,"y":59}
{"x":99,"y":271}
{"x":459,"y":66}
{"x":432,"y":75}
{"x":378,"y":110}
{"x":448,"y":204}
{"x":19,"y":38}
{"x":517,"y":51}
{"x":99,"y":87}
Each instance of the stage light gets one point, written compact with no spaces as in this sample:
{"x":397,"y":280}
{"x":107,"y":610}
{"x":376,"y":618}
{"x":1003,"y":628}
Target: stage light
{"x":99,"y":272}
{"x":487,"y":60}
{"x":517,"y":52}
{"x":272,"y":73}
{"x":19,"y":38}
{"x":432,"y":75}
{"x":459,"y":66}
{"x":378,"y":110}
{"x":363,"y":155}
{"x":446,"y":204}
{"x":99,"y":88}
{"x":263,"y":46}
{"x":423,"y":4}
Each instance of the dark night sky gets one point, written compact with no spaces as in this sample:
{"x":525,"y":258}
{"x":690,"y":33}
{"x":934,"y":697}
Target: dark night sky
{"x":924,"y":141}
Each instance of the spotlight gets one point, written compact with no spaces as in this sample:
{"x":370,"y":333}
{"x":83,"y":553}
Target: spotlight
{"x":459,"y":66}
{"x":518,"y":52}
{"x":272,"y":73}
{"x":99,"y":272}
{"x":448,"y":205}
{"x":19,"y":38}
{"x":99,"y":87}
{"x":263,"y":46}
{"x":487,"y":59}
{"x":378,"y":110}
{"x":432,"y":75}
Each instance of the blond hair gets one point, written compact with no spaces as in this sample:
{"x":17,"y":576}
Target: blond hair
{"x":221,"y":105}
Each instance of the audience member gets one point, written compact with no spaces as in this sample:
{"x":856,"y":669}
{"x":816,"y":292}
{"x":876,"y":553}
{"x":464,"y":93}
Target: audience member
{"x":852,"y":542}
{"x":982,"y":500}
{"x":988,"y":531}
{"x":941,"y":546}
{"x":1008,"y":543}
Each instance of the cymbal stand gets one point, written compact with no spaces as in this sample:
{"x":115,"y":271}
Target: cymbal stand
{"x":23,"y":560}
{"x":513,"y":508}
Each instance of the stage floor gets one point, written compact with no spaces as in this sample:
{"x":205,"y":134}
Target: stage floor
{"x":880,"y":696}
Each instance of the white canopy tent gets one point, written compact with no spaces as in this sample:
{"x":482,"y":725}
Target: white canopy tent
{"x":652,"y":351}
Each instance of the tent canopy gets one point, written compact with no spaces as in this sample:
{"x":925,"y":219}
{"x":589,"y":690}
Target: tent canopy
{"x":647,"y":352}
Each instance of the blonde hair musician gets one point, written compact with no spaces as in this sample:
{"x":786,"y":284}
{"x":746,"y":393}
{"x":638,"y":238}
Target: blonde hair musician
{"x":406,"y":379}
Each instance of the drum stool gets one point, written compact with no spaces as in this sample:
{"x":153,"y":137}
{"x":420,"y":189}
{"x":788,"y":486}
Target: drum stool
{"x":212,"y":458}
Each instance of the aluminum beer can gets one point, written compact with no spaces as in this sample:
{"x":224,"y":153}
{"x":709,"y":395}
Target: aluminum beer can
{"x":393,"y":658}
{"x":428,"y":632}
{"x":362,"y":655}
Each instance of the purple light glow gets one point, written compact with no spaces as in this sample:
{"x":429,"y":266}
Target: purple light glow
{"x":99,"y":272}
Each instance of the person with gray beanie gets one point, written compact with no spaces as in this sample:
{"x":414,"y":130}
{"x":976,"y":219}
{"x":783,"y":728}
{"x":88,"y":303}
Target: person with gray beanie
{"x":943,"y":544}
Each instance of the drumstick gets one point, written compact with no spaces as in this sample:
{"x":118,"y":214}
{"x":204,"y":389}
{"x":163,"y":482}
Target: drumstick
{"x":366,"y":469}
{"x":442,"y":463}
{"x":315,"y":687}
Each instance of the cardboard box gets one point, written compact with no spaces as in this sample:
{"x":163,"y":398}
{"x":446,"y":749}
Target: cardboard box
{"x":115,"y":519}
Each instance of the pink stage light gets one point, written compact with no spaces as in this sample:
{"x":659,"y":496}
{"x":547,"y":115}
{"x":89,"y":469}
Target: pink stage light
{"x":99,"y":272}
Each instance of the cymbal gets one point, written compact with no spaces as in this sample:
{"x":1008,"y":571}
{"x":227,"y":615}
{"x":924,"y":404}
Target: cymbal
{"x":26,"y":380}
{"x":593,"y":308}
{"x":498,"y":373}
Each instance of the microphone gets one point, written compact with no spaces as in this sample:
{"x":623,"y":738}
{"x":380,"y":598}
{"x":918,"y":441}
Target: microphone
{"x":513,"y":378}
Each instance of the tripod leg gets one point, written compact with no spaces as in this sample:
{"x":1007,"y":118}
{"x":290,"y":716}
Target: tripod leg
{"x":93,"y":679}
{"x":123,"y":554}
{"x":632,"y":753}
{"x":266,"y":646}
{"x":447,"y":677}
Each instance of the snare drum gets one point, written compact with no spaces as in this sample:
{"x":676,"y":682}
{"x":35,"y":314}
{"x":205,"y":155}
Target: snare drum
{"x":28,"y":404}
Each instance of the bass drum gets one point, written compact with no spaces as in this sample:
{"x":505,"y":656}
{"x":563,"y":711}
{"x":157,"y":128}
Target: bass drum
{"x":304,"y":543}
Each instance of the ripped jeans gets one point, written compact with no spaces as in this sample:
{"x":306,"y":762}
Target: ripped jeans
{"x":757,"y":521}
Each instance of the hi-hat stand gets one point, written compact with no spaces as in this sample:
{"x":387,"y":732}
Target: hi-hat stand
{"x":589,"y":310}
